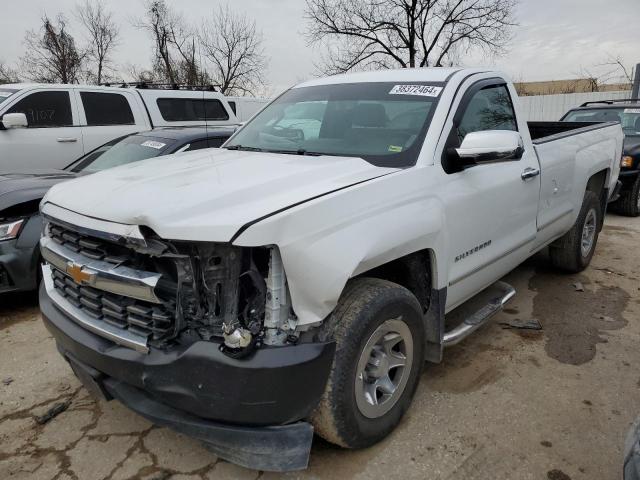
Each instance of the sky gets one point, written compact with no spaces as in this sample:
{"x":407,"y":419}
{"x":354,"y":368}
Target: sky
{"x":555,"y":39}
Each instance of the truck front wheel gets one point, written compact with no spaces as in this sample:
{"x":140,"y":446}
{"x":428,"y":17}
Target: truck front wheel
{"x":379,"y":336}
{"x":573,"y":251}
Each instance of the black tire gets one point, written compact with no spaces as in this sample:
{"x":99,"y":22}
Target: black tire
{"x":566,"y":252}
{"x":629,"y":202}
{"x":365,"y":305}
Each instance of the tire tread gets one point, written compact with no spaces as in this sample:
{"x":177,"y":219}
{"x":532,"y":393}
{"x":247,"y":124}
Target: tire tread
{"x":565,"y":252}
{"x":343,"y":325}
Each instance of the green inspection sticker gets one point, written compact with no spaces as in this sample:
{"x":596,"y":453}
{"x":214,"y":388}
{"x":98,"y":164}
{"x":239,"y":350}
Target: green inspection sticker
{"x":395,"y":148}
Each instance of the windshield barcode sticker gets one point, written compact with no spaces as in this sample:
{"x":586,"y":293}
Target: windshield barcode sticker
{"x":420,"y":90}
{"x":632,"y":111}
{"x":152,"y":144}
{"x":5,"y":94}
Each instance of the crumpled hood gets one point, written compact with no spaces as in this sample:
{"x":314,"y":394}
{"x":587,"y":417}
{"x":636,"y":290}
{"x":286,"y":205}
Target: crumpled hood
{"x":208,"y":195}
{"x":18,"y":188}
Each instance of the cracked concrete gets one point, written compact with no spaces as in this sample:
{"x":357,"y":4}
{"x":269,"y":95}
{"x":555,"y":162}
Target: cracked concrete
{"x":504,"y":405}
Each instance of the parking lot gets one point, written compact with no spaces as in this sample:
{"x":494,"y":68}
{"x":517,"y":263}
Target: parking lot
{"x":507,"y":403}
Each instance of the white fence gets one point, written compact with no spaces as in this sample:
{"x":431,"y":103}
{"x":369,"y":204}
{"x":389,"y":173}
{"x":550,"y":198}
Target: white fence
{"x":553,"y":107}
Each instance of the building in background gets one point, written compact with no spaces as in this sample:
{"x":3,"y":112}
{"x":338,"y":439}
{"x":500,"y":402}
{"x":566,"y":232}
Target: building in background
{"x":548,"y":108}
{"x":576,"y":85}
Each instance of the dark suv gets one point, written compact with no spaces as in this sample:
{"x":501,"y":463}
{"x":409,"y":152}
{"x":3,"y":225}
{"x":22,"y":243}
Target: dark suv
{"x":627,"y":113}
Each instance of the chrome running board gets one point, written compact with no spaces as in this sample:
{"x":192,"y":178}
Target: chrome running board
{"x":479,"y":318}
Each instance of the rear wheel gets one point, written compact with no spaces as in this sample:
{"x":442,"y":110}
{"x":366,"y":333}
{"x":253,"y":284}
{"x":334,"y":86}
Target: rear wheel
{"x":379,"y":356}
{"x":574,"y":251}
{"x":629,"y":202}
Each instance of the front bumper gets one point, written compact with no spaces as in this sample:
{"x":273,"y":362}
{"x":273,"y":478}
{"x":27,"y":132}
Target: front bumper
{"x":200,"y":391}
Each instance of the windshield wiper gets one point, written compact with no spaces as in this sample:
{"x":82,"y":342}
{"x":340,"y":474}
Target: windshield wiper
{"x":245,"y":149}
{"x":300,"y":151}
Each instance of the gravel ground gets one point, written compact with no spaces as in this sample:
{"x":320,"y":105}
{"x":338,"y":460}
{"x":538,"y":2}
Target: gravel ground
{"x":506,"y":404}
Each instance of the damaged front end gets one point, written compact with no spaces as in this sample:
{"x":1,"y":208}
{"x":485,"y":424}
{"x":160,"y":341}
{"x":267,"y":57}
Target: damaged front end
{"x":196,"y":336}
{"x":235,"y":293}
{"x":171,"y":293}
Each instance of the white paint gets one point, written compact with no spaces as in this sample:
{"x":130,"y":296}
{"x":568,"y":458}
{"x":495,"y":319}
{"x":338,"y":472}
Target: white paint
{"x":27,"y":149}
{"x":486,"y":142}
{"x":384,"y":213}
{"x":209,"y":194}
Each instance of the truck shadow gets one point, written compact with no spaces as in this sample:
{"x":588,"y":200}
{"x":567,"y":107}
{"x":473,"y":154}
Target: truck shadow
{"x":15,"y":307}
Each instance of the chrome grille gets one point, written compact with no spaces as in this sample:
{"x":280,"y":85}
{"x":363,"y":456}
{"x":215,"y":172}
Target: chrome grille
{"x":90,"y":247}
{"x":139,"y":317}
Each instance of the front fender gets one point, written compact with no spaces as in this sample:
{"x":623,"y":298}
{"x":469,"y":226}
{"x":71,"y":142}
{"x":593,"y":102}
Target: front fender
{"x":327,"y":241}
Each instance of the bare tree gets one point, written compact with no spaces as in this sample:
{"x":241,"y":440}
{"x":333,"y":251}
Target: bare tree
{"x":618,"y":70}
{"x":8,"y":74}
{"x":158,"y":22}
{"x":175,"y":56}
{"x":141,"y":75}
{"x":102,"y":33}
{"x":52,"y":55}
{"x":364,"y":34}
{"x":233,"y":47}
{"x":612,"y":71}
{"x":183,"y":42}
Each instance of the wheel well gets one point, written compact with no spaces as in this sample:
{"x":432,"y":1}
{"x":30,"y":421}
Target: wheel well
{"x":412,"y":271}
{"x":596,"y":184}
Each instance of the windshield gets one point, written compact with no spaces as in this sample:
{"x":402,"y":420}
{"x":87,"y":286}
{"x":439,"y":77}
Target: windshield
{"x":628,"y":117}
{"x":120,"y":152}
{"x":383,"y":123}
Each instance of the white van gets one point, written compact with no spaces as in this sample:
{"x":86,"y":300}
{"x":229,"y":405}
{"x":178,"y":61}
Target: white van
{"x":48,"y":126}
{"x":246,"y":107}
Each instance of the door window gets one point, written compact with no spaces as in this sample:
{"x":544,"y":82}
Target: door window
{"x":482,"y":108}
{"x":488,"y":109}
{"x":106,"y":109}
{"x":191,"y":110}
{"x":45,"y":109}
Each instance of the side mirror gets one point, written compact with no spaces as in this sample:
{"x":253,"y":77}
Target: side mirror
{"x":14,"y":120}
{"x":490,"y":146}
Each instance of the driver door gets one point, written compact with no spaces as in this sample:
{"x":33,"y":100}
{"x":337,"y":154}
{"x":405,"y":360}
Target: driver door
{"x":490,"y":207}
{"x":53,"y":138}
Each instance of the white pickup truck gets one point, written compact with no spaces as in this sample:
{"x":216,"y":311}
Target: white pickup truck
{"x":45,"y":126}
{"x":297,"y":279}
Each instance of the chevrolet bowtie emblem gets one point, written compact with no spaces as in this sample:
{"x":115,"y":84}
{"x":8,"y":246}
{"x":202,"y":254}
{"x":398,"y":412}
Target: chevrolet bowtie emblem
{"x":79,"y":276}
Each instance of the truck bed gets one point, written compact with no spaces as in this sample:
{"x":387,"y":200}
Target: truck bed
{"x":542,"y":132}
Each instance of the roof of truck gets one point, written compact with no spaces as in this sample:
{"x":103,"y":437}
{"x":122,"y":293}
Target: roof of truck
{"x":612,"y":104}
{"x":23,"y":86}
{"x":432,"y":74}
{"x":116,"y":87}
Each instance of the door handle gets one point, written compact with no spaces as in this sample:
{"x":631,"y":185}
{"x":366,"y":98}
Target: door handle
{"x":66,"y":140}
{"x":529,"y":173}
